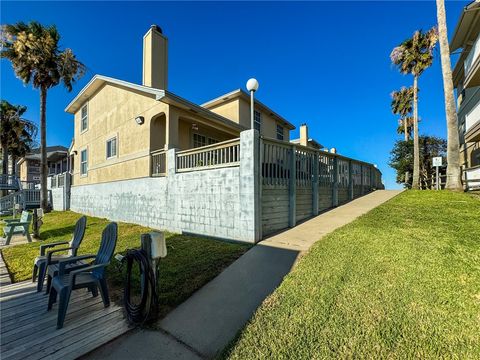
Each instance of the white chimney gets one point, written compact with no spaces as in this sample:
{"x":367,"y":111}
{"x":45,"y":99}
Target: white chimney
{"x":155,"y":59}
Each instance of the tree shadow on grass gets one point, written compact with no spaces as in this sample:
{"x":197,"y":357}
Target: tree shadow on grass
{"x":58,"y":232}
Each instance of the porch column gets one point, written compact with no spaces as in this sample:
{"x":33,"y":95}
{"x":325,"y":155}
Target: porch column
{"x":171,"y":130}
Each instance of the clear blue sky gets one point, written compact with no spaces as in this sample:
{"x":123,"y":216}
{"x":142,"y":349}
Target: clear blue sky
{"x":324,"y":63}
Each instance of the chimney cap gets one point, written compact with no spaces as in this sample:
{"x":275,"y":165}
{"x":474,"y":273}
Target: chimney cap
{"x":157,"y":28}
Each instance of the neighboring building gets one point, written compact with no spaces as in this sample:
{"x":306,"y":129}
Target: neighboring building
{"x":466,"y":78}
{"x":29,"y":166}
{"x":304,"y":140}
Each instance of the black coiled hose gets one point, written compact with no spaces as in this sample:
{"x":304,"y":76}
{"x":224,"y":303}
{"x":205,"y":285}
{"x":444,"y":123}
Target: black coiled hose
{"x":138,"y":313}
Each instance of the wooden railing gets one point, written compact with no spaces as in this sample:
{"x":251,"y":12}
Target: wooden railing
{"x":27,"y":198}
{"x":159,"y":163}
{"x":276,"y":166}
{"x":9,"y":182}
{"x":471,"y":178}
{"x":223,"y":154}
{"x":57,"y":181}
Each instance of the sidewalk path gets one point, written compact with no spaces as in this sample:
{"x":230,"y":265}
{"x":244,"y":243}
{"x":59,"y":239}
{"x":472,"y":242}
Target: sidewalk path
{"x":204,"y":324}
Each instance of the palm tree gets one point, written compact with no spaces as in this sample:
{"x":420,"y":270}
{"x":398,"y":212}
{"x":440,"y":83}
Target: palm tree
{"x":402,"y":105}
{"x":16,"y":133}
{"x":405,"y":127}
{"x":36,"y":57}
{"x":454,"y":181}
{"x":414,"y":56}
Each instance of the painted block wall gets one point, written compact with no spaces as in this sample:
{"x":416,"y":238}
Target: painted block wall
{"x":215,"y":202}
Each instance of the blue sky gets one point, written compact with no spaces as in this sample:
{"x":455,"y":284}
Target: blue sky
{"x":323,"y":63}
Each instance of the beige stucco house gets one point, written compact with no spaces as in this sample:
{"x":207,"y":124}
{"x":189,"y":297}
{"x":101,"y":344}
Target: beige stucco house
{"x":122,"y":129}
{"x":29,"y":165}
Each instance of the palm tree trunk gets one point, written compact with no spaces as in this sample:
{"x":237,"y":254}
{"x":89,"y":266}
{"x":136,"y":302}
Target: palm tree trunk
{"x":454,"y":181}
{"x":416,"y":150}
{"x":14,"y":166}
{"x":43,"y":150}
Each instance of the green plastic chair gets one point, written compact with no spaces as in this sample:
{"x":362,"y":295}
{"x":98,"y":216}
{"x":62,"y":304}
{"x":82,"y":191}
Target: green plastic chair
{"x":45,"y":260}
{"x":15,"y":226}
{"x":90,"y":276}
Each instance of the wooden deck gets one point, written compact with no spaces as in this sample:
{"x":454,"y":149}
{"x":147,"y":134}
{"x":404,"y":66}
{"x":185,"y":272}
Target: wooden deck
{"x":28,"y":331}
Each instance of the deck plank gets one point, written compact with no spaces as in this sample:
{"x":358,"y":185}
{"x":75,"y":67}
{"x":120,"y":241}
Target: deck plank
{"x":28,"y":331}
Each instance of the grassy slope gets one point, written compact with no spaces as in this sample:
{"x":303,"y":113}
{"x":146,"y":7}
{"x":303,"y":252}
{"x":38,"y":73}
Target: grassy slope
{"x":402,"y":281}
{"x":191,"y":261}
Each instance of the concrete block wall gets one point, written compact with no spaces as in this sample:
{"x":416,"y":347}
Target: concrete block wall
{"x":221,"y":202}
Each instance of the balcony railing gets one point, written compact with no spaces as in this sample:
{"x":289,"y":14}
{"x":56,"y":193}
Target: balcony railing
{"x":223,"y":154}
{"x":471,"y":178}
{"x":159,"y":163}
{"x":472,"y":57}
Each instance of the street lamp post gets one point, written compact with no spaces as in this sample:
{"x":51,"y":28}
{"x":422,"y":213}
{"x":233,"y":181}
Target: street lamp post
{"x":252,"y":86}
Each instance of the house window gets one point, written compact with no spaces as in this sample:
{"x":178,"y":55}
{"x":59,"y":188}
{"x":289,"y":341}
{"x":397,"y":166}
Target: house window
{"x":212,"y":141}
{"x":199,"y":140}
{"x":83,"y":162}
{"x":112,"y":147}
{"x":279,"y":132}
{"x":84,"y":121}
{"x":257,"y":120}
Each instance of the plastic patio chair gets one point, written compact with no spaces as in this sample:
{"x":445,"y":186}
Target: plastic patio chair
{"x":43,"y":261}
{"x":90,"y":276}
{"x":16,"y":226}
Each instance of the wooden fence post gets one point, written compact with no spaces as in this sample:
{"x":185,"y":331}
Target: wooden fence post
{"x":315,"y":185}
{"x":335,"y":182}
{"x":292,"y":188}
{"x":350,"y":180}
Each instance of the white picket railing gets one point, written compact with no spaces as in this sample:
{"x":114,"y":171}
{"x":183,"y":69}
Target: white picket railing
{"x":223,"y":154}
{"x":159,"y":163}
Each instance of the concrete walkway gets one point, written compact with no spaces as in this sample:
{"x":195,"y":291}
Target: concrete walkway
{"x":204,"y":325}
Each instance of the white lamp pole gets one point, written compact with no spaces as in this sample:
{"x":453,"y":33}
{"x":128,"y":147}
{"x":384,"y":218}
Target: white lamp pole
{"x":252,"y":86}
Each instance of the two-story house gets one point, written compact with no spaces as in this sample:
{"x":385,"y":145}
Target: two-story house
{"x":123,"y":129}
{"x":57,"y":162}
{"x":466,"y":78}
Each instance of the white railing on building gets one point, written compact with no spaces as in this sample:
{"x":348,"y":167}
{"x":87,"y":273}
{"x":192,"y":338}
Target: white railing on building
{"x":159,"y":163}
{"x":472,"y":56}
{"x":471,"y":178}
{"x":57,"y":181}
{"x":223,"y":154}
{"x":472,"y":117}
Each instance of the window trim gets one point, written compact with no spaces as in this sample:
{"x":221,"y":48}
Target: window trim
{"x":277,"y":128}
{"x":86,"y":162}
{"x":114,"y":137}
{"x":82,"y":117}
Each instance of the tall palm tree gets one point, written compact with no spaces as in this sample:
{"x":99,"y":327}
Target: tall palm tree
{"x":454,"y":181}
{"x":414,"y":56}
{"x":34,"y":52}
{"x":402,"y":104}
{"x":405,"y":127}
{"x":16,"y":133}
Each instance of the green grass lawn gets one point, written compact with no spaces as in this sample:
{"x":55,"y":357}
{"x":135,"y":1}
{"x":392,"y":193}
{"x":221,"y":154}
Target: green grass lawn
{"x":191,"y":261}
{"x":402,"y":281}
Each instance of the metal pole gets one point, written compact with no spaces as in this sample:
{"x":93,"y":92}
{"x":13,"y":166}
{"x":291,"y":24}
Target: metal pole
{"x":251,"y":109}
{"x":438,"y":184}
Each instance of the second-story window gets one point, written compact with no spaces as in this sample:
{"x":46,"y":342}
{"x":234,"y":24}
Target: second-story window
{"x":84,"y":120}
{"x":279,"y":132}
{"x":83,"y":162}
{"x":112,"y":147}
{"x":257,"y":120}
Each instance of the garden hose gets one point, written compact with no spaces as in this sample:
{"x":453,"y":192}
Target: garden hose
{"x":138,"y":313}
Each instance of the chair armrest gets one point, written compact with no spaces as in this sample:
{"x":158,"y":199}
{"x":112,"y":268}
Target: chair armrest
{"x":46,"y":246}
{"x":51,"y":252}
{"x":8,"y":221}
{"x":63,"y":263}
{"x":74,"y":273}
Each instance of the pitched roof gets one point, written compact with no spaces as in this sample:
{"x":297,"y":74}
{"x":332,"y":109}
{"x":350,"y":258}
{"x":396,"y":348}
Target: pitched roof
{"x":162,"y":95}
{"x":240,"y":93}
{"x":463,"y":33}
